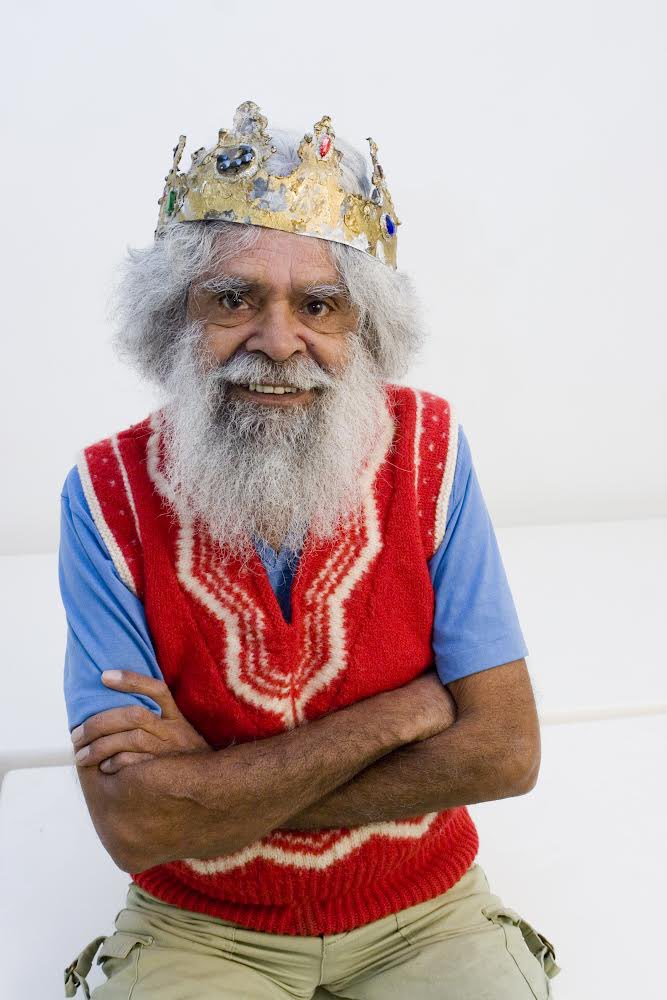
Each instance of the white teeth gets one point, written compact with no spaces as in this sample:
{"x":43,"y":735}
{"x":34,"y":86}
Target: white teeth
{"x":279,"y":389}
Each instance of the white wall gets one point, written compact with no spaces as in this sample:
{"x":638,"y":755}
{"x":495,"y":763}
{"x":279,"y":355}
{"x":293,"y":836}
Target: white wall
{"x":525,"y":146}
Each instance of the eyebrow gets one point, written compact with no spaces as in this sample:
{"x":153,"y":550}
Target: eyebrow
{"x":322,"y":290}
{"x":225,"y":283}
{"x":235,"y":283}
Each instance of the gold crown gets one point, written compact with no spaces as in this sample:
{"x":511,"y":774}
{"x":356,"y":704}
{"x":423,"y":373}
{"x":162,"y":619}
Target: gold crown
{"x":230,"y":181}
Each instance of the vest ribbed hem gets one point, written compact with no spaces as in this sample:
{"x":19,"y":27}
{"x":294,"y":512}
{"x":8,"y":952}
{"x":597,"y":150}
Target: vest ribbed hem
{"x":343,"y":910}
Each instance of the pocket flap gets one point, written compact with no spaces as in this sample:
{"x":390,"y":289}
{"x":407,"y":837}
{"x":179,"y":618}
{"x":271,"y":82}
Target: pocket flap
{"x":540,"y":946}
{"x":502,"y":914}
{"x":121,"y":943}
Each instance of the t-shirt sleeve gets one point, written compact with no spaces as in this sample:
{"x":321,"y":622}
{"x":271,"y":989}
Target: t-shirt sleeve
{"x":106,"y":622}
{"x":475,"y":622}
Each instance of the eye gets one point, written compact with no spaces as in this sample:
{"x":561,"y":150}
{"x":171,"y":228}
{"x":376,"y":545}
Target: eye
{"x":316,"y":307}
{"x":231,"y":300}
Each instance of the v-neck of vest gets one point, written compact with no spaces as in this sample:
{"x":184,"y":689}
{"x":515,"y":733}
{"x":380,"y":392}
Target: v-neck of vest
{"x":281,"y":556}
{"x":302,"y":575}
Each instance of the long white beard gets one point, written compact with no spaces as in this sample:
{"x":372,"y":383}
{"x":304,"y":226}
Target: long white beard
{"x":245,"y":468}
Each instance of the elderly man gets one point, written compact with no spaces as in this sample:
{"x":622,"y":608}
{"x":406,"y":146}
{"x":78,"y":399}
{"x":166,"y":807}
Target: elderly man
{"x":284,"y":599}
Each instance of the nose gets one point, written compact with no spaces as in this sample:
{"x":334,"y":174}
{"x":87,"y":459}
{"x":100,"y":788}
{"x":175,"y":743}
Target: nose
{"x":277,"y":333}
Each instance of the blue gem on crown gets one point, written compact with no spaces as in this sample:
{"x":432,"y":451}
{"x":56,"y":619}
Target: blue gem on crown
{"x":234,"y":158}
{"x":388,"y":224}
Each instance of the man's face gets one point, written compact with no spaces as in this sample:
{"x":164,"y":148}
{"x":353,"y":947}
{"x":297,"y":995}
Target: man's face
{"x":285,"y":302}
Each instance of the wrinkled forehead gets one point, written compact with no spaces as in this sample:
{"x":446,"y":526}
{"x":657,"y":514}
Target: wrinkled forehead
{"x":280,"y":259}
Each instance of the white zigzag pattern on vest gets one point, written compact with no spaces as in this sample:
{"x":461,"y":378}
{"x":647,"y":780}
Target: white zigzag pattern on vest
{"x":341,"y":848}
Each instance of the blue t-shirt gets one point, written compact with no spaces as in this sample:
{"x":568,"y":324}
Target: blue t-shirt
{"x":475,"y":623}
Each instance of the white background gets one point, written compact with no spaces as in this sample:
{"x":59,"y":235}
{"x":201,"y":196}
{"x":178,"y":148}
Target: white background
{"x":526,"y":150}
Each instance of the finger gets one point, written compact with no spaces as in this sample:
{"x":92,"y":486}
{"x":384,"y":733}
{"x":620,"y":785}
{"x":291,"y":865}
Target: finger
{"x":130,"y":680}
{"x":115,"y":720}
{"x":120,"y":760}
{"x":136,"y":741}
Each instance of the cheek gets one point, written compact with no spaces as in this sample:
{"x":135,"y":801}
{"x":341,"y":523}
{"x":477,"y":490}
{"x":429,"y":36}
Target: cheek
{"x":334,"y":351}
{"x":221,"y":342}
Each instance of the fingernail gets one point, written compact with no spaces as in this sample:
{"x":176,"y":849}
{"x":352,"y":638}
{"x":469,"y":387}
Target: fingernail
{"x":81,"y":754}
{"x":76,"y":733}
{"x":111,"y":676}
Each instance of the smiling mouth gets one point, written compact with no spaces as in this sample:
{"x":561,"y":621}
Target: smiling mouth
{"x":271,"y":388}
{"x":270,"y":393}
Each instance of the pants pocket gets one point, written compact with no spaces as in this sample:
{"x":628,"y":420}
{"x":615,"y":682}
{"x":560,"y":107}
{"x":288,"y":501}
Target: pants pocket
{"x":534,"y":955}
{"x":115,"y":950}
{"x":119,"y":955}
{"x":76,"y":971}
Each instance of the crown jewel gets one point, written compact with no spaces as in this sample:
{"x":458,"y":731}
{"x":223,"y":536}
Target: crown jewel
{"x":231,"y":181}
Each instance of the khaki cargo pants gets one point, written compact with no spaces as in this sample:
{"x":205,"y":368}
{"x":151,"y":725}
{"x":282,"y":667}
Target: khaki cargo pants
{"x":462,"y":945}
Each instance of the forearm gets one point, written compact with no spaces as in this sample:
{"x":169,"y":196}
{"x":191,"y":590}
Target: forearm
{"x":463,"y":764}
{"x":208,"y":804}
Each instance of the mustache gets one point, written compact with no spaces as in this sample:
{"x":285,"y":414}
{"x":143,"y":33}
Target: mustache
{"x":303,"y":373}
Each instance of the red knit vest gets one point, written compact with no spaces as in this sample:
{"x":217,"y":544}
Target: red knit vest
{"x":362,"y":615}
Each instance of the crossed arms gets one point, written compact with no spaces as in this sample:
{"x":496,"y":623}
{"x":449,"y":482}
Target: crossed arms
{"x":157,"y":792}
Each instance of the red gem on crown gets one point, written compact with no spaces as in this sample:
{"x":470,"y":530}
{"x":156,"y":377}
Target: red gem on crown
{"x":325,"y":146}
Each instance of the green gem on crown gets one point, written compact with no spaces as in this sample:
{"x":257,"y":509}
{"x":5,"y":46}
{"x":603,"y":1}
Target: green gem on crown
{"x":171,"y":201}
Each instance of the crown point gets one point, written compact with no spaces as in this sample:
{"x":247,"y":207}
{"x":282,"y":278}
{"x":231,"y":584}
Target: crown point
{"x":249,"y":120}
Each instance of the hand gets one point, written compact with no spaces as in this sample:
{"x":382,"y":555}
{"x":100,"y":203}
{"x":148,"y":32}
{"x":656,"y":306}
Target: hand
{"x":429,"y":706}
{"x":122,"y":736}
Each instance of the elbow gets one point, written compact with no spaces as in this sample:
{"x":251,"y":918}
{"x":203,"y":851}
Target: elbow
{"x":127,"y":850}
{"x":132,"y":856}
{"x":133,"y":847}
{"x":133,"y":851}
{"x":523,"y":767}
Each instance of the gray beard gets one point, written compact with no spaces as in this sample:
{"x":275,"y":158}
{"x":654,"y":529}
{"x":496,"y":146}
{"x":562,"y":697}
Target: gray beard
{"x":243,"y":468}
